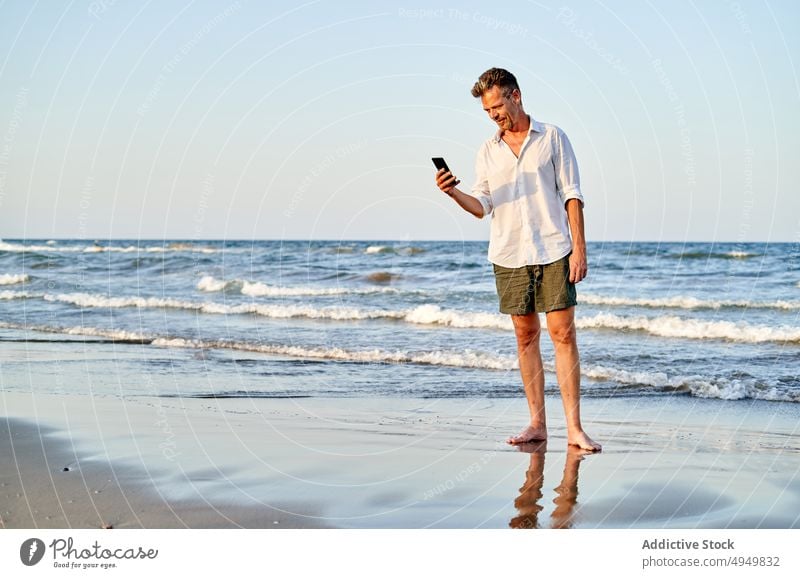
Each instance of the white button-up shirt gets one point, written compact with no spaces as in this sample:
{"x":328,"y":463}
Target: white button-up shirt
{"x":526,"y":196}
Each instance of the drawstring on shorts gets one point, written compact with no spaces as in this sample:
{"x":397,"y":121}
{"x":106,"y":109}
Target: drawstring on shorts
{"x":538,"y":271}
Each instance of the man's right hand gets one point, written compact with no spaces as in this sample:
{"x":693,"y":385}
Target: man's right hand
{"x":446,"y":181}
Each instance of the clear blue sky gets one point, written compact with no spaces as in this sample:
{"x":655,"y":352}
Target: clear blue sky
{"x":288,"y":120}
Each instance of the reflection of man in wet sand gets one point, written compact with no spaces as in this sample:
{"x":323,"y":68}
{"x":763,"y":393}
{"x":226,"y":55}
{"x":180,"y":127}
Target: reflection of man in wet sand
{"x":531,"y":491}
{"x":527,"y":179}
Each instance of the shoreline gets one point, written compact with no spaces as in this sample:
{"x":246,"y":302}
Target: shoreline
{"x":668,"y":462}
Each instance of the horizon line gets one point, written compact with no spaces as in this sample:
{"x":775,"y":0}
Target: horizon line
{"x":364,"y":240}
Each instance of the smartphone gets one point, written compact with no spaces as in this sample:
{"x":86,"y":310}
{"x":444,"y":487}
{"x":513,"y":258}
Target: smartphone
{"x":439,"y":163}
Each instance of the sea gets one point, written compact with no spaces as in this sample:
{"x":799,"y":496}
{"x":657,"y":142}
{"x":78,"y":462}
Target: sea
{"x":410,"y":319}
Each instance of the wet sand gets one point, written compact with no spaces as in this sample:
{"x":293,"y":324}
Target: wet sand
{"x":69,"y":461}
{"x":44,"y":483}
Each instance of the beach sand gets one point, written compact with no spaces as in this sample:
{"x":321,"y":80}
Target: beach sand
{"x":90,"y":461}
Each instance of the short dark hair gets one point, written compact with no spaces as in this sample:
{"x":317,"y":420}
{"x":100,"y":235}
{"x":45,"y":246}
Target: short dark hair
{"x":495,"y":77}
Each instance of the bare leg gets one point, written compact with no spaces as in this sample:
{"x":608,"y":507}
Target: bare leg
{"x":561,"y":325}
{"x":527,"y":329}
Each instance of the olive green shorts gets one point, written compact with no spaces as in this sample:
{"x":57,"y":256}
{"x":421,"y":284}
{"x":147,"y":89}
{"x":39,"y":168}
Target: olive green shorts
{"x":539,"y":288}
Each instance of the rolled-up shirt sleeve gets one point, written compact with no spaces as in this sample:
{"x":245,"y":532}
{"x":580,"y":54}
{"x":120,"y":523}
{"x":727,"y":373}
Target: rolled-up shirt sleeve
{"x":480,"y":190}
{"x":568,"y":181}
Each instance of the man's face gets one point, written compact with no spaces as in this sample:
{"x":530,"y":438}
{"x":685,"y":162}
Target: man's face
{"x":503,"y":110}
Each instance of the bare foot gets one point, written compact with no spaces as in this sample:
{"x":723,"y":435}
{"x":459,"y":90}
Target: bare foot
{"x":529,"y":434}
{"x":538,"y":447}
{"x":575,"y":453}
{"x":584,"y":442}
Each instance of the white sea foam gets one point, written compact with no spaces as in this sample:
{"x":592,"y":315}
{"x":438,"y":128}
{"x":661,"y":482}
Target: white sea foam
{"x":11,"y":295}
{"x":474,"y":359}
{"x":740,"y":254}
{"x":435,"y":315}
{"x":404,"y":250}
{"x":97,"y":248}
{"x":210,"y":284}
{"x":8,"y":279}
{"x":258,"y":289}
{"x":672,"y":326}
{"x":422,"y":315}
{"x":111,"y":249}
{"x":271,"y":311}
{"x":177,"y":248}
{"x":17,"y":248}
{"x":308,"y":312}
{"x":697,"y":385}
{"x":113,"y":334}
{"x":93,"y":300}
{"x":697,"y":254}
{"x":683,"y":302}
{"x":654,"y":379}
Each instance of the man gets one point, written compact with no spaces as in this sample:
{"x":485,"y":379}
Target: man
{"x":527,"y":179}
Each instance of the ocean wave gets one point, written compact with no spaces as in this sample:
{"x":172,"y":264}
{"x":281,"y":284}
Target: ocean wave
{"x":272,"y":311}
{"x":16,"y":248}
{"x":421,"y":315}
{"x":173,"y":248}
{"x":210,"y":284}
{"x":740,"y":255}
{"x":7,"y":279}
{"x":11,"y":295}
{"x":257,"y":289}
{"x":467,"y":358}
{"x":734,"y":254}
{"x":435,"y":315}
{"x":401,"y":250}
{"x":97,"y":248}
{"x":464,"y":358}
{"x":382,"y":277}
{"x":684,"y":302}
{"x":110,"y":334}
{"x":718,"y":387}
{"x":662,"y":326}
{"x":696,"y":385}
{"x":672,"y":326}
{"x":88,"y":300}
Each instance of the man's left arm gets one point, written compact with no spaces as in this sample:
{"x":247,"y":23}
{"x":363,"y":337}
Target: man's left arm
{"x":578,"y":266}
{"x":568,"y":186}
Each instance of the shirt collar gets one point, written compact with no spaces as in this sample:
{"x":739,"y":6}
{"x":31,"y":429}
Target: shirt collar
{"x":536,"y":126}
